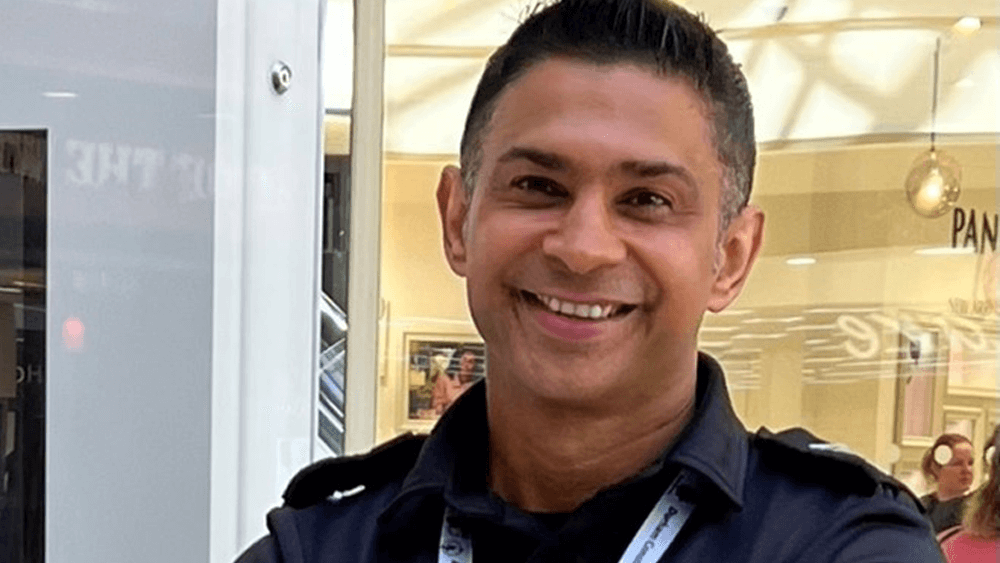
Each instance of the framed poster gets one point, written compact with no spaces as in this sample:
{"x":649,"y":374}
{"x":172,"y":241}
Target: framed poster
{"x":967,"y":421}
{"x":919,"y":390}
{"x":439,"y":368}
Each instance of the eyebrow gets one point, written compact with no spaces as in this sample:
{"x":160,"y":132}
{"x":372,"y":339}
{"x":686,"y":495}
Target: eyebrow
{"x":651,"y":169}
{"x":638,"y":168}
{"x":544,"y":159}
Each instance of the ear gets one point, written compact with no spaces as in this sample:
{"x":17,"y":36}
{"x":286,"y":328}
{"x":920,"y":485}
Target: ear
{"x":737,"y":252}
{"x":453,"y":206}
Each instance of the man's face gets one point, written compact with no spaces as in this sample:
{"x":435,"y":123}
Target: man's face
{"x":465,"y":366}
{"x":598,"y":197}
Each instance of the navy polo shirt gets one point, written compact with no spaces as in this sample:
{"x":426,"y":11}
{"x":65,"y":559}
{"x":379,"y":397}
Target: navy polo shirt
{"x":759,"y":498}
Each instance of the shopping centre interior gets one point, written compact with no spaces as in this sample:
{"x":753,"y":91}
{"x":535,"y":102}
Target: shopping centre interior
{"x":164,"y":212}
{"x":855,"y":299}
{"x":870,"y":324}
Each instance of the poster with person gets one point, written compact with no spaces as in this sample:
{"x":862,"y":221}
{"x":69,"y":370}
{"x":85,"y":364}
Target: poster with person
{"x":440,"y":370}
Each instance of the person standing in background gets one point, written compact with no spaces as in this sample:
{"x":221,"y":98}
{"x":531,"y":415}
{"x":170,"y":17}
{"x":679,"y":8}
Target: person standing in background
{"x":948,"y":463}
{"x":979,"y":539}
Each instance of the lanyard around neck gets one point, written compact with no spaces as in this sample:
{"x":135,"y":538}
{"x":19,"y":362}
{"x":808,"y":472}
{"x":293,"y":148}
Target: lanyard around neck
{"x":655,"y":535}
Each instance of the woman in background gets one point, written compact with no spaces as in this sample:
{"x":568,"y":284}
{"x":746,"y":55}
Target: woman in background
{"x":977,"y":541}
{"x":949,"y":463}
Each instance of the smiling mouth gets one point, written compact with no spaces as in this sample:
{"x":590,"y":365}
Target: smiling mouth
{"x":576,"y":310}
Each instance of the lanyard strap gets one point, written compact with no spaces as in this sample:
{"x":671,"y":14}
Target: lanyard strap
{"x":655,"y":534}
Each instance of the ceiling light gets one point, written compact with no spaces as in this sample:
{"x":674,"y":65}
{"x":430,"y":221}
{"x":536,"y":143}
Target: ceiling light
{"x":801,"y":261}
{"x":718,"y":329}
{"x":765,"y":320}
{"x":59,"y":95}
{"x":775,"y":336}
{"x":967,"y":25}
{"x":935,"y":179}
{"x":934,"y":183}
{"x":945,"y":251}
{"x":732,"y":312}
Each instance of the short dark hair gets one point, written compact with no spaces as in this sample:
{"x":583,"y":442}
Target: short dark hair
{"x":654,"y":33}
{"x":455,"y":362}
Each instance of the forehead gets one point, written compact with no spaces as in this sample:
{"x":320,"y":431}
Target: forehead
{"x":624,"y":110}
{"x":961,"y":451}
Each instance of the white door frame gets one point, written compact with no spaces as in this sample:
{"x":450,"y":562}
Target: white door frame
{"x":267,"y":255}
{"x":266,"y":277}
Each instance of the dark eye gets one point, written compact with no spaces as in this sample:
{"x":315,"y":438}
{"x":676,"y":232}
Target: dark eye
{"x":538,"y":184}
{"x":646,"y":199}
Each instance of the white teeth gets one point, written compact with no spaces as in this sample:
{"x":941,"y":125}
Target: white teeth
{"x":576,"y":309}
{"x":554,"y":305}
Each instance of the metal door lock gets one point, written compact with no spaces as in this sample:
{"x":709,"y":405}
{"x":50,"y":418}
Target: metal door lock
{"x":281,"y":77}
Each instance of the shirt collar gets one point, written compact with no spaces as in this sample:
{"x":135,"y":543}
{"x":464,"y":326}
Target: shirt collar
{"x":455,"y":453}
{"x":453,"y":460}
{"x":715,"y":442}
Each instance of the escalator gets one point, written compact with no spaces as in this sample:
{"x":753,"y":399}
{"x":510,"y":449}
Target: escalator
{"x":333,"y":349}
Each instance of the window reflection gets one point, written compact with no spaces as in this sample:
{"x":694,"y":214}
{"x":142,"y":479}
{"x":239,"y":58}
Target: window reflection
{"x":22,"y":344}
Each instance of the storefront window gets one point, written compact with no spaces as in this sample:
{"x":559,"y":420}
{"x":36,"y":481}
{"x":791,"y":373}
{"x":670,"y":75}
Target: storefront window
{"x":861,"y":321}
{"x":23,"y":218}
{"x":869,"y":324}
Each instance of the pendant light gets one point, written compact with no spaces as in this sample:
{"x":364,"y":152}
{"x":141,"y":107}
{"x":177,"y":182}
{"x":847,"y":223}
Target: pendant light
{"x":934,"y":182}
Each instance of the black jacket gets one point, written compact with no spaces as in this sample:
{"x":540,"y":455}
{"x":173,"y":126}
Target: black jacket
{"x":760,"y":498}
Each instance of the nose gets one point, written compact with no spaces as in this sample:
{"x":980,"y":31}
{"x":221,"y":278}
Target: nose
{"x":585,"y":239}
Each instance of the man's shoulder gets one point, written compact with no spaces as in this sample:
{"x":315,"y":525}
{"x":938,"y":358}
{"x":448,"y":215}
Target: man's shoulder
{"x":337,"y":477}
{"x":823,"y":482}
{"x":798,"y":455}
{"x":837,"y":505}
{"x":331,"y":507}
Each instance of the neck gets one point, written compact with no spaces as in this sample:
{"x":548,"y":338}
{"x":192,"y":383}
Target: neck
{"x":547,"y":457}
{"x":944,"y":495}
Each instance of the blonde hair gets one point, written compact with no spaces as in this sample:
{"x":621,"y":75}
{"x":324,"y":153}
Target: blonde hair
{"x":982,"y":515}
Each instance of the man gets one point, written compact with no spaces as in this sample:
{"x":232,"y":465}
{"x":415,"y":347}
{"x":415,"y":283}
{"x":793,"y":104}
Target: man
{"x":455,"y":380}
{"x":600,"y":210}
{"x":467,"y":361}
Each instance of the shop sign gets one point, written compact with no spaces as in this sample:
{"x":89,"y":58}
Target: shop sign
{"x":30,"y":374}
{"x":138,"y":168}
{"x":865,"y":332}
{"x":978,"y":229}
{"x":987,"y":277}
